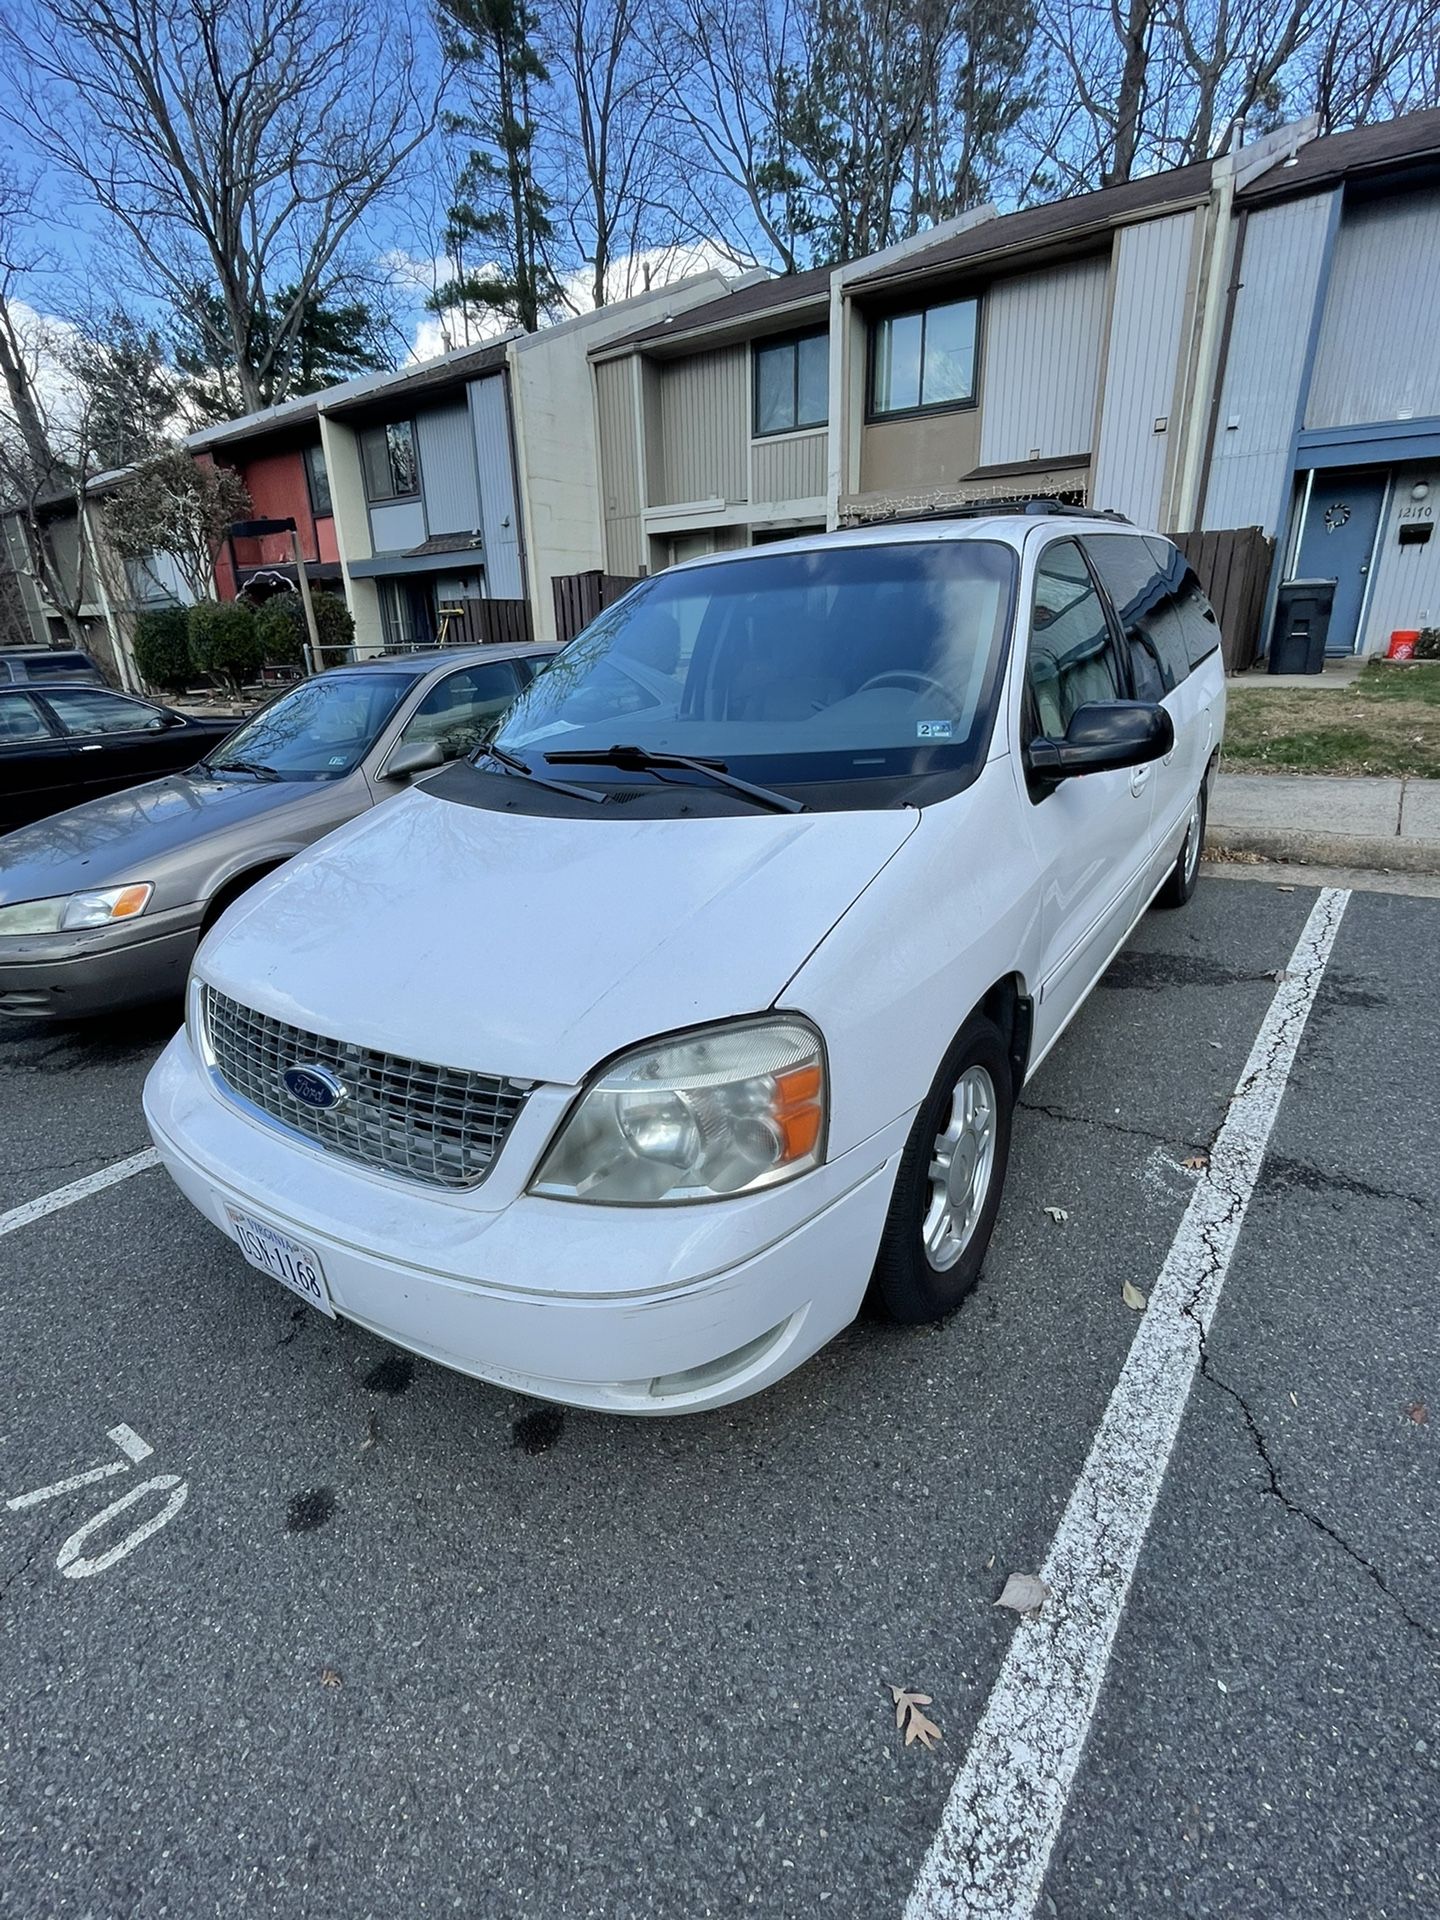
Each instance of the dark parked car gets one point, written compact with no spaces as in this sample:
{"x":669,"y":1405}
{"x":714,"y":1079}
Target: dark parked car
{"x":22,"y":666}
{"x":63,"y":744}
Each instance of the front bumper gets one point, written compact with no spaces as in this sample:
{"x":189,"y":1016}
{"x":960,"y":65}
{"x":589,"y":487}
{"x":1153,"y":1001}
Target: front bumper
{"x":72,"y":976}
{"x":630,"y":1310}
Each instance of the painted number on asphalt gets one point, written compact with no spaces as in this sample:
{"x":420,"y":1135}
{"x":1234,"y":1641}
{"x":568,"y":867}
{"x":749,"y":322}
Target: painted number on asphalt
{"x":157,"y":1499}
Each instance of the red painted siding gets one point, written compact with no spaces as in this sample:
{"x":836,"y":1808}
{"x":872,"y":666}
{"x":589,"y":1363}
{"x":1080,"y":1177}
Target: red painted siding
{"x":279,"y":490}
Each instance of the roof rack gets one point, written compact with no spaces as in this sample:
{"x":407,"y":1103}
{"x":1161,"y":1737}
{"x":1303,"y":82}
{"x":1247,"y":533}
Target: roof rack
{"x":987,"y":509}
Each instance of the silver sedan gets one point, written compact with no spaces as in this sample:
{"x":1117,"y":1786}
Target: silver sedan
{"x":103,"y":906}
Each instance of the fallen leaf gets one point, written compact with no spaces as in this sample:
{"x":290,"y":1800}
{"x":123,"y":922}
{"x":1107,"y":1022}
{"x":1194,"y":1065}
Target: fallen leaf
{"x":1285,"y":889}
{"x":909,"y":1716}
{"x":330,"y":1678}
{"x":989,"y":1563}
{"x":1293,"y":1401}
{"x":1133,"y":1297}
{"x":1196,"y":1162}
{"x":1279,"y":976}
{"x":1024,"y":1593}
{"x":1058,"y":1215}
{"x":1216,"y":1045}
{"x":1418,"y":1412}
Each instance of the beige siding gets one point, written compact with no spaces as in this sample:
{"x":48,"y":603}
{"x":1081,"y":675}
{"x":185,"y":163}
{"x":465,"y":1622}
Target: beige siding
{"x":620,"y":476}
{"x":790,"y":468}
{"x":1152,"y":301}
{"x":927,"y":450}
{"x":1279,"y":274}
{"x":1376,"y":358}
{"x":1043,"y":340}
{"x":705,"y":427}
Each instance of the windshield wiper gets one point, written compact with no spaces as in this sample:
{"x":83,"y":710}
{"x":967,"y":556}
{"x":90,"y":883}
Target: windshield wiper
{"x":513,"y":764}
{"x":260,"y":771}
{"x":641,"y":760}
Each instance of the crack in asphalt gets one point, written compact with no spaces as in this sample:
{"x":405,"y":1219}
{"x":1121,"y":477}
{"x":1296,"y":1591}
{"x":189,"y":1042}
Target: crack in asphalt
{"x":87,"y":1160}
{"x":1111,"y":1126}
{"x":1297,"y":1507}
{"x":1235,"y":1202}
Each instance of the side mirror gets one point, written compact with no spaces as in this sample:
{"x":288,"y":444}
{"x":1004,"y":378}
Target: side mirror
{"x":1103,"y":737}
{"x":420,"y":756}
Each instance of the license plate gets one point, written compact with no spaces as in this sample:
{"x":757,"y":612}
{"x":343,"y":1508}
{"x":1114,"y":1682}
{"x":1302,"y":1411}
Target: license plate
{"x":294,"y":1266}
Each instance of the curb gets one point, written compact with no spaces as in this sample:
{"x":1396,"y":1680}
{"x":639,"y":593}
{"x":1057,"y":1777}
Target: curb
{"x":1381,"y":853}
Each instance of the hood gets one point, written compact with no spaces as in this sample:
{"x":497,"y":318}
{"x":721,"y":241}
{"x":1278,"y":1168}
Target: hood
{"x":119,"y":836}
{"x":535,"y":946}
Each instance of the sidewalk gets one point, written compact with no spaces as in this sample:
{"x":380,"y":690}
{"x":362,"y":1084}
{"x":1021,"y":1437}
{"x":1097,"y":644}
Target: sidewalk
{"x":1391,"y":824}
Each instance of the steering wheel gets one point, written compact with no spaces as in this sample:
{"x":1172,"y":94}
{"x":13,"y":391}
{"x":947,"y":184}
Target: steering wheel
{"x":901,"y":676}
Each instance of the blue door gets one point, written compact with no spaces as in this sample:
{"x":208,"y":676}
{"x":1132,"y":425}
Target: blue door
{"x":1338,"y":543}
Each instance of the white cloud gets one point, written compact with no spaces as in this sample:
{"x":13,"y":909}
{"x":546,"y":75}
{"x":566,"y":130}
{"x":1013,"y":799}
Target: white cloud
{"x":433,"y":334}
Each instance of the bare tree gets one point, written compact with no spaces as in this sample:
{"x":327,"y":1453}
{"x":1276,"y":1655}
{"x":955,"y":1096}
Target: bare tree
{"x":177,"y":506}
{"x":44,"y":432}
{"x":602,"y":126}
{"x":236,"y":145}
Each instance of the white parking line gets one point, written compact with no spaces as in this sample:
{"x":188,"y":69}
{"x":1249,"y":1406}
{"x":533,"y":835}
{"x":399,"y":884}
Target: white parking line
{"x":77,"y":1190}
{"x":988,"y":1859}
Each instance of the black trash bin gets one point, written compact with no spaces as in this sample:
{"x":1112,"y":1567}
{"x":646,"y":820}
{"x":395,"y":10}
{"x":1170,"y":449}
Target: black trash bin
{"x":1302,"y":620}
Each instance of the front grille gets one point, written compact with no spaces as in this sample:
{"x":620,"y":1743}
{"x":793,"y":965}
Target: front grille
{"x":439,"y":1125}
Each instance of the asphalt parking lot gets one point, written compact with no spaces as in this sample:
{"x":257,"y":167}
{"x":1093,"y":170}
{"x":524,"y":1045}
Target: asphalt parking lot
{"x":407,"y":1645}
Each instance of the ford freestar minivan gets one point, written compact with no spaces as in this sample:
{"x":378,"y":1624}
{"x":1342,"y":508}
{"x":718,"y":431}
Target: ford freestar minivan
{"x":618,"y":1062}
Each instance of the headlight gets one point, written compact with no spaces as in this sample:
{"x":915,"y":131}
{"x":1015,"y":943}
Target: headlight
{"x":718,"y":1112}
{"x":99,"y":909}
{"x":63,"y":915}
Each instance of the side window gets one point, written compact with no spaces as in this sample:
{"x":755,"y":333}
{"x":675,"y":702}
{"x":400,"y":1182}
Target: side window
{"x":1197,"y":618}
{"x":20,"y":720}
{"x":81,"y":711}
{"x":463,"y":707}
{"x":1071,"y":659}
{"x":1139,"y":591}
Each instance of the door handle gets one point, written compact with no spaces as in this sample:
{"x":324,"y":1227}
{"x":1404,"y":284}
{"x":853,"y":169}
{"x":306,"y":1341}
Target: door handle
{"x":1139,"y":779}
{"x":94,"y":747}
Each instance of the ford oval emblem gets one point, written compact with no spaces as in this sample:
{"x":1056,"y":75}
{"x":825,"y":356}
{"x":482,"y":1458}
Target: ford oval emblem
{"x":314,"y":1086}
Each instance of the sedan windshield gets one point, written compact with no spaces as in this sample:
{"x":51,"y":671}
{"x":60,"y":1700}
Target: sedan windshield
{"x":828,"y":664}
{"x":320,"y":730}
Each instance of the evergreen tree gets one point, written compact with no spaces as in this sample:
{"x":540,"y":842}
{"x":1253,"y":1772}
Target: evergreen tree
{"x":499,"y":226}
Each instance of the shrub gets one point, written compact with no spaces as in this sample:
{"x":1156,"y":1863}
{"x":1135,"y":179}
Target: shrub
{"x":336,"y":627}
{"x":280,"y":630}
{"x":223,"y":640}
{"x":162,"y":649}
{"x":280,"y":624}
{"x":1427,"y":647}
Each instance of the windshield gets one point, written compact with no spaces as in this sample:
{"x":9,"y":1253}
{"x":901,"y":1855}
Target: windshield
{"x":320,"y":730}
{"x":832,"y":664}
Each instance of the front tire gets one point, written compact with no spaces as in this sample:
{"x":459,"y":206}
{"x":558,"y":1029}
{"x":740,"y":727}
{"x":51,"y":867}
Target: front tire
{"x":1180,"y":881}
{"x":951,"y":1175}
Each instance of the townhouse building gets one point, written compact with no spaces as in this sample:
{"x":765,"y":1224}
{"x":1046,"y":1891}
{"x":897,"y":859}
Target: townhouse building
{"x":1238,"y":344}
{"x":279,"y":457}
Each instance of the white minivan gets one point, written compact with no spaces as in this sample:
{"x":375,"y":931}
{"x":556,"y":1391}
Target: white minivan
{"x":621,"y":1061}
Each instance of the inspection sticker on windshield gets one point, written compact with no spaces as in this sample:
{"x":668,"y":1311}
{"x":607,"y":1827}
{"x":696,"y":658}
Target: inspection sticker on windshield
{"x":284,"y":1259}
{"x":932,"y":729}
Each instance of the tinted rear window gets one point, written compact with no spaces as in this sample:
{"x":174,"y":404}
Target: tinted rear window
{"x":58,"y":666}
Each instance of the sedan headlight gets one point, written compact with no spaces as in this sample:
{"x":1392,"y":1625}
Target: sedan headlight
{"x":718,"y":1112}
{"x":64,"y":914}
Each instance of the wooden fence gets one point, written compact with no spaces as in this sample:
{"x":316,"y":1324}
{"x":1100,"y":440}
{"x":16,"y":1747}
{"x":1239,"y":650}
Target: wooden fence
{"x":579,"y":597}
{"x":1233,"y":566}
{"x":470,"y":623}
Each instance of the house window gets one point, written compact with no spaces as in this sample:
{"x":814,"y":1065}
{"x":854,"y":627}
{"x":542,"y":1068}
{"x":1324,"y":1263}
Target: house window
{"x":792,"y":383}
{"x":317,"y":479}
{"x":392,"y":470}
{"x":925,"y":359}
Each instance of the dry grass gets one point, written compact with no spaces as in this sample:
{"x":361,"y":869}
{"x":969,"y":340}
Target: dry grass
{"x":1387,"y":721}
